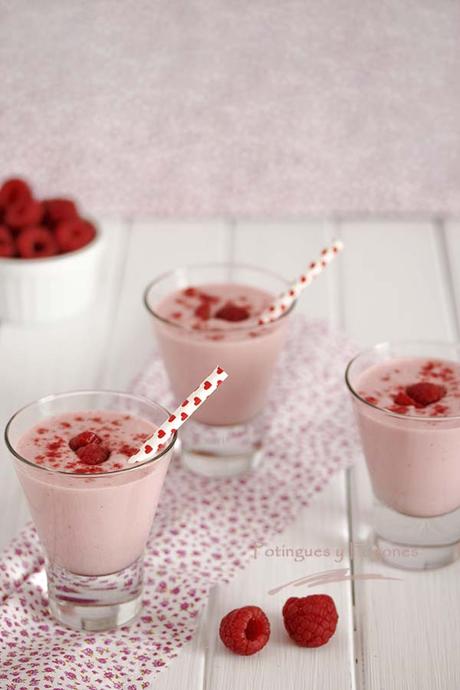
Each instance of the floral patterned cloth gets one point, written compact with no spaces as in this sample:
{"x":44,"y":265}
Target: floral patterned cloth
{"x":203,"y":533}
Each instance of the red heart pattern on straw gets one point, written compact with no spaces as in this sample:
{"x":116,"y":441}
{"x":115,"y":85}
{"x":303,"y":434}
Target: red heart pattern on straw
{"x":157,"y":441}
{"x":284,"y":301}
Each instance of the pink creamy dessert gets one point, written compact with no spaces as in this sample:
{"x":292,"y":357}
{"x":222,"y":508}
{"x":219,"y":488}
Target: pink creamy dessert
{"x":411,"y":433}
{"x":211,"y":324}
{"x":97,"y":521}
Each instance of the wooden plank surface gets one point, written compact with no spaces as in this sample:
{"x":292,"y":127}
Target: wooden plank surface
{"x":395,"y":280}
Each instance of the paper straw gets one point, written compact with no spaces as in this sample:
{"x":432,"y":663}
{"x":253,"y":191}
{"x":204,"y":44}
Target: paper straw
{"x":159,"y":439}
{"x":285,"y":300}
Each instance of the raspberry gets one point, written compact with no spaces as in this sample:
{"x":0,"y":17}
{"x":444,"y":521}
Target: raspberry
{"x":425,"y":393}
{"x":128,"y":450}
{"x":7,"y":246}
{"x":245,"y":631}
{"x":232,"y":312}
{"x":83,"y":439}
{"x":59,"y":209}
{"x":35,"y":243}
{"x":23,"y":213}
{"x":403,"y":399}
{"x":74,"y":234}
{"x":371,"y":399}
{"x":93,"y":454}
{"x":398,"y":409}
{"x":310,"y":621}
{"x":204,"y":297}
{"x":203,"y":311}
{"x":190,"y":292}
{"x":14,"y":191}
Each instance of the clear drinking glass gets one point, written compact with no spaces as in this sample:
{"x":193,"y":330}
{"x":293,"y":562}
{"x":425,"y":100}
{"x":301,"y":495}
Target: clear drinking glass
{"x":92,"y":527}
{"x":225,"y":436}
{"x":413,"y":464}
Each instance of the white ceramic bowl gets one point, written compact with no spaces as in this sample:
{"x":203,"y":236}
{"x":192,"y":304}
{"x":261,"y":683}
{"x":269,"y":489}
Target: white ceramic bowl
{"x":38,"y":290}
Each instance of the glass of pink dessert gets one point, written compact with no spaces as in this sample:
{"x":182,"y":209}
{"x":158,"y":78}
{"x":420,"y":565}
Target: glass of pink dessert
{"x":92,"y":509}
{"x":406,"y":398}
{"x":205,"y":314}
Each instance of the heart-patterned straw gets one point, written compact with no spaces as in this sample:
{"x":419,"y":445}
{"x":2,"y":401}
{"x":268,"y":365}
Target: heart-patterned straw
{"x":285,"y":300}
{"x":158,"y":440}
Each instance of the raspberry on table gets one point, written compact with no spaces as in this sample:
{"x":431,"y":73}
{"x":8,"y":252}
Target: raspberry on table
{"x":73,"y":234}
{"x":245,"y":631}
{"x":93,"y":454}
{"x":36,"y":243}
{"x":310,"y":621}
{"x":84,"y":439}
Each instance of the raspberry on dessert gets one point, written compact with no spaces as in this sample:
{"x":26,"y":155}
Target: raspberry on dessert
{"x":190,"y":292}
{"x":403,"y":399}
{"x":232,"y":312}
{"x":245,"y":631}
{"x":93,"y":454}
{"x":73,"y":234}
{"x":14,"y":191}
{"x":35,"y":243}
{"x":310,"y":621}
{"x":59,"y":209}
{"x":371,"y":399}
{"x":204,"y":297}
{"x":398,"y":409}
{"x":425,"y":393}
{"x":7,"y":245}
{"x":24,"y":213}
{"x":84,"y":439}
{"x":203,"y":311}
{"x":128,"y":450}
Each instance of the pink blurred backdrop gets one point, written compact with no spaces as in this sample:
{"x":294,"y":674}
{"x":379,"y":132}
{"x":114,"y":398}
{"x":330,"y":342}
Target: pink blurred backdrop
{"x":232,"y":107}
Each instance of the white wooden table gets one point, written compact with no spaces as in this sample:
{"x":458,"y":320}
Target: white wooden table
{"x":395,"y":280}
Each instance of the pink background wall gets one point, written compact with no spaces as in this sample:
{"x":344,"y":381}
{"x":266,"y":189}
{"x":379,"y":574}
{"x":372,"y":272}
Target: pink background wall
{"x":244,"y":107}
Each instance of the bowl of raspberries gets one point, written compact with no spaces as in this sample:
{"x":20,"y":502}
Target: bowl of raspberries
{"x":49,"y":256}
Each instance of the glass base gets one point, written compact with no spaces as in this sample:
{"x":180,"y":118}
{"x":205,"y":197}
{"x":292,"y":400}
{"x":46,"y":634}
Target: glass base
{"x":417,"y":557}
{"x":95,"y":602}
{"x":417,"y":543}
{"x":221,"y":451}
{"x":95,"y":618}
{"x":213,"y":465}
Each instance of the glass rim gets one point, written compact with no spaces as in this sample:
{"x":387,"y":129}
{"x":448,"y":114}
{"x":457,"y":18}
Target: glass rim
{"x":393,"y":343}
{"x":216,"y":264}
{"x":85,"y":475}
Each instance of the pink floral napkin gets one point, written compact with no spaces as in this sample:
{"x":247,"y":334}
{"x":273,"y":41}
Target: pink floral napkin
{"x":203,"y":532}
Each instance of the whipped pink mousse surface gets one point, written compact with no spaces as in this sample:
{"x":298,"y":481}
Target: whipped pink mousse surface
{"x":206,"y":325}
{"x":47,"y":443}
{"x":91,"y":519}
{"x":412,"y":446}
